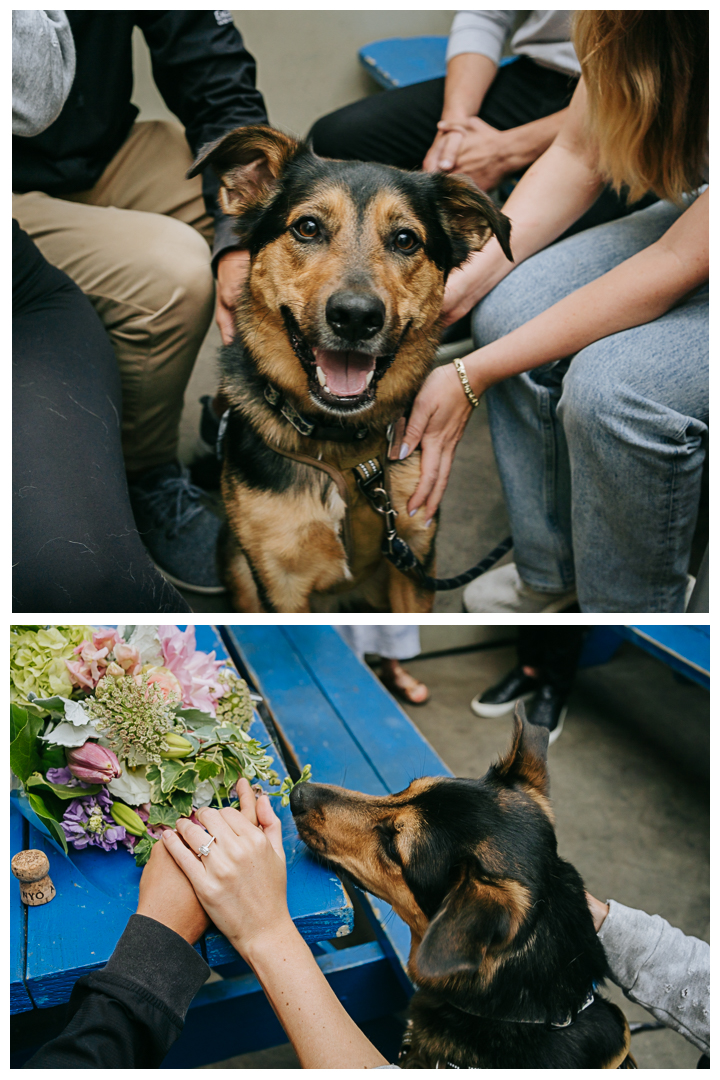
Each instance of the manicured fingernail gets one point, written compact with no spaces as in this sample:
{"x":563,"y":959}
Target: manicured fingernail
{"x":404,"y":451}
{"x":444,"y":164}
{"x":413,"y":513}
{"x":428,"y":523}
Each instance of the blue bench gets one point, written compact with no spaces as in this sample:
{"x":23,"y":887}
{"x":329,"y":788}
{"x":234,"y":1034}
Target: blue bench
{"x":397,"y":62}
{"x":332,"y":713}
{"x":685,"y":649}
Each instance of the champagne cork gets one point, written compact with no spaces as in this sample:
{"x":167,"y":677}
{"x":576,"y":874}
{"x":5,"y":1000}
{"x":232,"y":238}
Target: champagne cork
{"x":31,"y":870}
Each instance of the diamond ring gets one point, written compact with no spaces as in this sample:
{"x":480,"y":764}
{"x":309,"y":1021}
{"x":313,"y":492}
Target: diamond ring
{"x":204,"y":849}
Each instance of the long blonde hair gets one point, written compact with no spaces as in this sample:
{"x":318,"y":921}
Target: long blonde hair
{"x":646,"y":75}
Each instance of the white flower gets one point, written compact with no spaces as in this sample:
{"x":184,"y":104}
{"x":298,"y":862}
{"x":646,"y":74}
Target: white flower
{"x":146,"y":641}
{"x":131,"y":787}
{"x":65,"y":734}
{"x":203,"y":795}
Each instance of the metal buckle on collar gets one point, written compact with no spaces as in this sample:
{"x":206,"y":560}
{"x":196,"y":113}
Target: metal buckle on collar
{"x":298,"y":422}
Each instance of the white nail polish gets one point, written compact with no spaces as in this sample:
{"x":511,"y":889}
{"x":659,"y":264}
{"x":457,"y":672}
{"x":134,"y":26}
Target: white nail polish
{"x":428,"y":523}
{"x":404,"y":451}
{"x":412,"y":513}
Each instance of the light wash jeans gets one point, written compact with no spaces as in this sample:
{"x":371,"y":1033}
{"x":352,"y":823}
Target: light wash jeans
{"x":601,"y":454}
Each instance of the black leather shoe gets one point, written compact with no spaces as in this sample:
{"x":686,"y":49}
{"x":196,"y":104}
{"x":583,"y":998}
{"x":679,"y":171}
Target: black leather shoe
{"x":548,"y":710}
{"x":501,"y":698}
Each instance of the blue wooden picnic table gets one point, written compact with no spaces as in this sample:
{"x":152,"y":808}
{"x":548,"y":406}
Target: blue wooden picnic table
{"x":332,"y":713}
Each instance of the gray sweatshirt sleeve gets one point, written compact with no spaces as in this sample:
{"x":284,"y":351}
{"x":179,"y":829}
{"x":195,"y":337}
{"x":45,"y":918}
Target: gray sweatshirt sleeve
{"x":43,"y":63}
{"x":660,"y":968}
{"x":483,"y":32}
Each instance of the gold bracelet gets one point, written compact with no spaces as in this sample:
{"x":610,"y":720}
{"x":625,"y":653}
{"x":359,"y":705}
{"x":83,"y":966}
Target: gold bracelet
{"x":462,"y":374}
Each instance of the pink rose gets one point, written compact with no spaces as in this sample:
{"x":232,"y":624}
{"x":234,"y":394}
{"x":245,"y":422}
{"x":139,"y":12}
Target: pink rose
{"x":128,"y":657}
{"x":164,"y":680}
{"x":106,"y":638}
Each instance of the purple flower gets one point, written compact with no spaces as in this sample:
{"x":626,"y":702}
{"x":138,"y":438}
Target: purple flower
{"x":64,"y":776}
{"x":87,"y":823}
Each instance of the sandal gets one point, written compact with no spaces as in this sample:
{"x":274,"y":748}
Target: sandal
{"x":402,"y":684}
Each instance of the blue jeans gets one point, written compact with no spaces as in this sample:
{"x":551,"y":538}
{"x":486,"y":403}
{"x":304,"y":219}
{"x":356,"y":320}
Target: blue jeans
{"x":600,"y":455}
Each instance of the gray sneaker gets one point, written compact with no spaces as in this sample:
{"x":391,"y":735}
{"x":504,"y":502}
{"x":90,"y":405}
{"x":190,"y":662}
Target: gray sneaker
{"x":503,"y":589}
{"x":178,"y":530}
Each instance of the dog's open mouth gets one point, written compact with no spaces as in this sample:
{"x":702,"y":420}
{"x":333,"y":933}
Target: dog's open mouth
{"x":339,"y":380}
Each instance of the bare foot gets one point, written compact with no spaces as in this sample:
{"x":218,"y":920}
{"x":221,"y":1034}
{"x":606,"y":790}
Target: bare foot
{"x":402,"y":683}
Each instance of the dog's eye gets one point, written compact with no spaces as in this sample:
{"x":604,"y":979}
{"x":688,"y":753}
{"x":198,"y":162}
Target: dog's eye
{"x":306,"y":229}
{"x":406,"y":241}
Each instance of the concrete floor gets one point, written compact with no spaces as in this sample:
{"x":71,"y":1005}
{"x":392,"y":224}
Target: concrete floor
{"x":629,"y":785}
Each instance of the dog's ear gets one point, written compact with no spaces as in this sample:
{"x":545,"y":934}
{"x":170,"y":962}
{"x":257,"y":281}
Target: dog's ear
{"x":526,"y":760}
{"x":470,"y":217}
{"x":476,"y":916}
{"x":248,"y":162}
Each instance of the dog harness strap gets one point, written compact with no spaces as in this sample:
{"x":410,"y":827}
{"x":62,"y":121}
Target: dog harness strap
{"x":337,"y":477}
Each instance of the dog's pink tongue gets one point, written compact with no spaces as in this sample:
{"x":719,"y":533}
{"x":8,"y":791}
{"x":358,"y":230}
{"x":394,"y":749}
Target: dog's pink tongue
{"x":345,"y":372}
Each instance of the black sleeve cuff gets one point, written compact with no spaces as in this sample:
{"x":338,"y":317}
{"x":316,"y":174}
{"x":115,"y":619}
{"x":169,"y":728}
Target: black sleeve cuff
{"x":225,"y":238}
{"x":160,"y":962}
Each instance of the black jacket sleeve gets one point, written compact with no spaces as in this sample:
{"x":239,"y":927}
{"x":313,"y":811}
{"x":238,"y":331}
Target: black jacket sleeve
{"x":207,"y":78}
{"x":128,"y":1015}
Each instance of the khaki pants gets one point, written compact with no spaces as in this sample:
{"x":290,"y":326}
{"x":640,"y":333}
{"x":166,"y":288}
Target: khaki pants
{"x":137,"y":245}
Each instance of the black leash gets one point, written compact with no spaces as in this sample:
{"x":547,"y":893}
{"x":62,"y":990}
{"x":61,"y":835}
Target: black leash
{"x":371,"y":481}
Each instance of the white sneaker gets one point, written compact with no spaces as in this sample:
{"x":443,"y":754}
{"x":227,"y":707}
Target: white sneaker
{"x":503,"y":589}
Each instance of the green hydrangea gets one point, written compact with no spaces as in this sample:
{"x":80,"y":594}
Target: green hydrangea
{"x":134,"y":718}
{"x":235,"y":704}
{"x":37,"y":660}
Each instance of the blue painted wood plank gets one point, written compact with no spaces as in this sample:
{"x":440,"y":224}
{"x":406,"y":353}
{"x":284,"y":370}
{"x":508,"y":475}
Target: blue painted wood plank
{"x":397,"y":62}
{"x":73,"y":934}
{"x":381,"y":729}
{"x":233,"y":1016}
{"x":684,"y":648}
{"x":20,"y":1000}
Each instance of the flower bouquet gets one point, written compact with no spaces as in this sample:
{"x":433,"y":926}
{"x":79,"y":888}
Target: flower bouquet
{"x":116,"y":733}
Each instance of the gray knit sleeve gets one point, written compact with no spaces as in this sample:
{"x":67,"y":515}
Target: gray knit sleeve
{"x":483,"y":32}
{"x":43,"y":63}
{"x":661,"y":968}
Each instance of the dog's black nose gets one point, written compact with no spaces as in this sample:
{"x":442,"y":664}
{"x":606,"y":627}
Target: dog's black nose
{"x":307,"y":796}
{"x":355,"y":316}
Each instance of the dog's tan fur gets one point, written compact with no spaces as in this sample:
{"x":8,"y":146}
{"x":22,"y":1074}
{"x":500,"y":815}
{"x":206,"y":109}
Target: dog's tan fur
{"x":286,"y":546}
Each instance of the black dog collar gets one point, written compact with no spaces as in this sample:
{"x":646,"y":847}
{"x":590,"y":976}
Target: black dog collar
{"x":308,"y":428}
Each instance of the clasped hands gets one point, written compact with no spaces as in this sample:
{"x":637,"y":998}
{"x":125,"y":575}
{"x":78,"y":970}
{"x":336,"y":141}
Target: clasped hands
{"x":240,"y":885}
{"x":470,"y":146}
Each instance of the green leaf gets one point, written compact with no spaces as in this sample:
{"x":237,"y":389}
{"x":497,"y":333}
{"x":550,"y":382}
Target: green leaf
{"x":63,"y":791}
{"x":231,"y":773}
{"x":182,"y":803}
{"x":206,"y":768}
{"x":52,"y":757}
{"x":178,"y":775}
{"x":49,"y":821}
{"x":24,"y":756}
{"x":142,"y":850}
{"x":154,"y":778}
{"x":163,"y":815}
{"x":191,"y":717}
{"x":18,"y":720}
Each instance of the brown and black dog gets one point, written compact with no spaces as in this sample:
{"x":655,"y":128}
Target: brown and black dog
{"x":337,"y":328}
{"x":504,"y":951}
